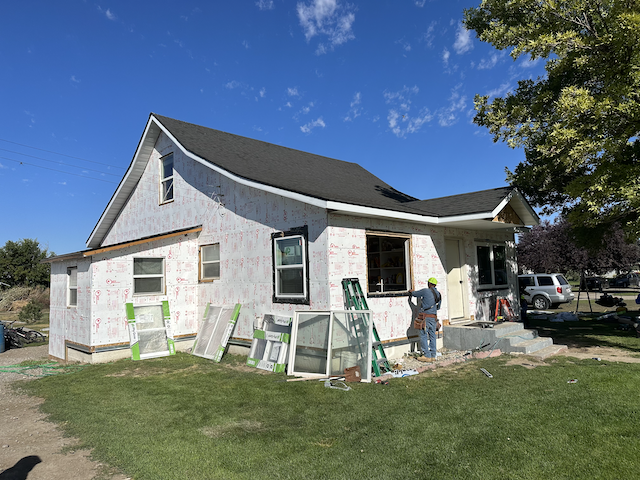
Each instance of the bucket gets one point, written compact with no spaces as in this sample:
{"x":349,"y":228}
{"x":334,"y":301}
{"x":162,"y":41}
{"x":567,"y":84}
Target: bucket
{"x":1,"y":337}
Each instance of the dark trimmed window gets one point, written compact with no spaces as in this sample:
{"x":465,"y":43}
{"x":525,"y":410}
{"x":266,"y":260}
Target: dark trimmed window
{"x":492,"y":266}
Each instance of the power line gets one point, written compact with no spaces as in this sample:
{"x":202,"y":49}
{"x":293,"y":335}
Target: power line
{"x":63,"y":154}
{"x":59,"y":171}
{"x":58,"y":163}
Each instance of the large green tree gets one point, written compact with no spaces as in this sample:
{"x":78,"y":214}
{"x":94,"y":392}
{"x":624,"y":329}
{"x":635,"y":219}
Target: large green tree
{"x":579,"y":124}
{"x":20,"y":263}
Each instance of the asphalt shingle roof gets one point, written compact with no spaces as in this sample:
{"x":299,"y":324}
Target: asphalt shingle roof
{"x":317,"y":176}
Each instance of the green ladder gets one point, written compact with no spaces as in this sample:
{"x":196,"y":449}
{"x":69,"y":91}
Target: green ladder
{"x":354,"y":299}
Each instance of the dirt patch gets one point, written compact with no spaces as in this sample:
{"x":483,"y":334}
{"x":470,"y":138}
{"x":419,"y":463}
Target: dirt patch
{"x":604,"y":353}
{"x":30,"y":446}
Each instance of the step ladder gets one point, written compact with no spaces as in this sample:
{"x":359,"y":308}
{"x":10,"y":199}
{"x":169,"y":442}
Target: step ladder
{"x":354,"y":299}
{"x":503,"y":306}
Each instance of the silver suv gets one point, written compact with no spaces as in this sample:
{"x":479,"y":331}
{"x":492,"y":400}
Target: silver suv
{"x":544,"y":290}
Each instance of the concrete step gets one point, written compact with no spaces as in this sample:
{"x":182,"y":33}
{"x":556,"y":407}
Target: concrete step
{"x":506,"y":328}
{"x":529,"y":346}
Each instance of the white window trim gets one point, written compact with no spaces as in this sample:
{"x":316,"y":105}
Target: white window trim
{"x":202,"y":278}
{"x":71,"y":287}
{"x":164,"y":179}
{"x":492,"y":285}
{"x":156,"y":275}
{"x":299,"y":298}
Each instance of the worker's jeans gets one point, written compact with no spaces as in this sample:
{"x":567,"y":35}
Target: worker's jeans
{"x":428,"y":338}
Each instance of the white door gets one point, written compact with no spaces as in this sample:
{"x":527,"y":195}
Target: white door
{"x":455,"y":280}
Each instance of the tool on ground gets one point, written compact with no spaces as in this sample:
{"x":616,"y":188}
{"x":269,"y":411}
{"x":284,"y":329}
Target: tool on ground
{"x":354,"y":300}
{"x":483,"y":370}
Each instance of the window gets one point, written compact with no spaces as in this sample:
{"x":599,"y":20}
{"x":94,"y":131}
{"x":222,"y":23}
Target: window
{"x":148,"y":276}
{"x":492,"y":265}
{"x":388,"y":263}
{"x":291,"y":266}
{"x":72,"y":292}
{"x":545,"y":281}
{"x":166,"y":178}
{"x":209,"y":262}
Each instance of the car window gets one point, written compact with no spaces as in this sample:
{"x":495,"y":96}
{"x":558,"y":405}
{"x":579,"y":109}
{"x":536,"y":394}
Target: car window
{"x":562,"y":280}
{"x":545,"y":281}
{"x":526,"y":281}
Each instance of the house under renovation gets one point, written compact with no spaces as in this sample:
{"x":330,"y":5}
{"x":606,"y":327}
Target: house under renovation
{"x":202,"y":217}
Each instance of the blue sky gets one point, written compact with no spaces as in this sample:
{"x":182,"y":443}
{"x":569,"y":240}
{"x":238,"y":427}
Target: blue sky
{"x":386,"y":84}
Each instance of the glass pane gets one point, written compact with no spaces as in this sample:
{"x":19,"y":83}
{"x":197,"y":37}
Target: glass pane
{"x":312,"y":343}
{"x":290,"y":281}
{"x":167,"y":190}
{"x":73,"y":297}
{"x":211,"y":253}
{"x":153,"y":341}
{"x":562,"y":280}
{"x":289,"y":251}
{"x":73,"y":277}
{"x":484,"y":265}
{"x":167,"y":166}
{"x":500,"y":264}
{"x":545,"y":281}
{"x":211,"y":270}
{"x":147,"y":266}
{"x":148,"y":316}
{"x":350,"y":346}
{"x":147,"y":285}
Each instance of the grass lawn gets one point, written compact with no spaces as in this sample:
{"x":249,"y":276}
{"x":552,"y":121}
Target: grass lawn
{"x":184,"y":417}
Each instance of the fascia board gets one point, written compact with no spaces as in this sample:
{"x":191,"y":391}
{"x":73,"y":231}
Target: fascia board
{"x":125,"y":188}
{"x":521,"y":206}
{"x":360,"y":210}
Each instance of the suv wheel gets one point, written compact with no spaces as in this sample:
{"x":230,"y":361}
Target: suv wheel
{"x":540,"y":302}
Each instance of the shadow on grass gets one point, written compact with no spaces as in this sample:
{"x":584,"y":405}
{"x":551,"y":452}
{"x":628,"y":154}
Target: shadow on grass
{"x":589,"y":331}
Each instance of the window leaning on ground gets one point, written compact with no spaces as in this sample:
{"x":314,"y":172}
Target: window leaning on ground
{"x":166,"y":178}
{"x":210,"y":262}
{"x":388,"y":263}
{"x":72,"y":291}
{"x":291,"y":266}
{"x":492,"y":265}
{"x":148,"y":276}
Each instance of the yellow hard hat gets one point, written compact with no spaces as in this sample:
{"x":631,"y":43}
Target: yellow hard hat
{"x":432,"y":281}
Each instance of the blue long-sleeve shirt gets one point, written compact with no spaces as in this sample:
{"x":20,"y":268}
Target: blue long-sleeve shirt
{"x":429,"y":304}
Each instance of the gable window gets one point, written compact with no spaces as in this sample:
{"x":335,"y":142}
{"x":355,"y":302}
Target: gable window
{"x":148,"y":276}
{"x":209,"y":262}
{"x":388,"y":263}
{"x":72,"y":290}
{"x":166,"y":178}
{"x":291,"y":266}
{"x":492,"y":265}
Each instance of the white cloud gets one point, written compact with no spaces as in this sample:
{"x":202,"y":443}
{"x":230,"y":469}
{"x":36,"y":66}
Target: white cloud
{"x":464,"y":42}
{"x":528,"y":63}
{"x":313,"y":124}
{"x":233,"y":84}
{"x":327,"y":19}
{"x":500,"y":91}
{"x":74,"y":79}
{"x":492,"y":61}
{"x":263,"y":92}
{"x":245,"y":44}
{"x":62,"y":183}
{"x":355,"y":111}
{"x":293,"y":92}
{"x":445,"y":56}
{"x":399,"y":118}
{"x":428,"y":37}
{"x":449,"y":115}
{"x":420,"y":3}
{"x":265,"y":4}
{"x":2,"y":166}
{"x":107,"y":13}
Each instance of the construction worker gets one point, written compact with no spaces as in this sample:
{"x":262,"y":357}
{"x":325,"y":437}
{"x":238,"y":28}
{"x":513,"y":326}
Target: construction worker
{"x":431,"y":301}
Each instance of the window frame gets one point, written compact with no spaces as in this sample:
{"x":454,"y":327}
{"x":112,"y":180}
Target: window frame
{"x":297,"y":298}
{"x":492,"y":246}
{"x":71,"y":287}
{"x":372,"y":268}
{"x":141,"y":276}
{"x":202,"y":263}
{"x":165,"y":179}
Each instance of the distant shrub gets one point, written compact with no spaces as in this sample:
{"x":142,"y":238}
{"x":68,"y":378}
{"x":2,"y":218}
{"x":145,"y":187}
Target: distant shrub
{"x":31,"y":313}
